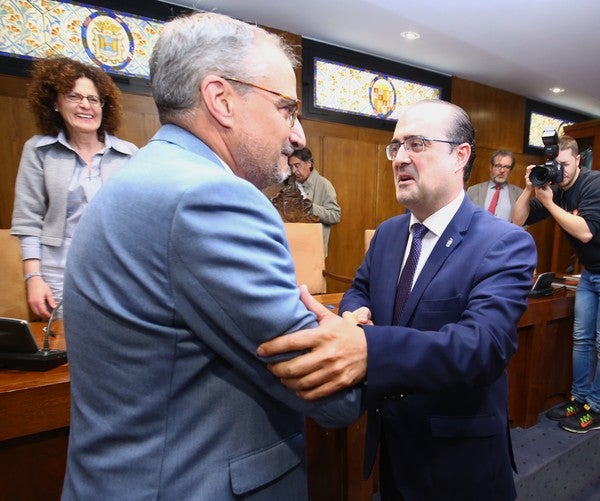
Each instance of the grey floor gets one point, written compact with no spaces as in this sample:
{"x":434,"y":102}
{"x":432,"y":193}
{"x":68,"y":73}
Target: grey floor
{"x":555,"y":465}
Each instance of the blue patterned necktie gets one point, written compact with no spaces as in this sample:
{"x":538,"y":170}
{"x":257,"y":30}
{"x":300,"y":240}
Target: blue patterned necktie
{"x":408,"y":272}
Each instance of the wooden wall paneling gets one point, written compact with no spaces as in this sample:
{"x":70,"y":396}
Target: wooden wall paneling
{"x":386,"y":205}
{"x":351,"y":158}
{"x":16,"y":126}
{"x":140,"y":119}
{"x":498,"y":116}
{"x":355,"y":181}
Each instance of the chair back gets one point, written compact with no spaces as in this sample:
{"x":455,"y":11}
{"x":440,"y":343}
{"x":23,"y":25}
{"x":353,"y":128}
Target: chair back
{"x":13,"y":293}
{"x":308,"y":253}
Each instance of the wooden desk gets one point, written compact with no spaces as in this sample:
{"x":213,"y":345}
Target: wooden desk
{"x":540,"y":373}
{"x":34,"y":420}
{"x":34,"y":412}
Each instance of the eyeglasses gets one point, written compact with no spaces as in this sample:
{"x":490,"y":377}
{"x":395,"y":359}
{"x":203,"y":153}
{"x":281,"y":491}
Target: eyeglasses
{"x":75,"y":97}
{"x":292,"y":108}
{"x":413,"y":144}
{"x":500,"y":167}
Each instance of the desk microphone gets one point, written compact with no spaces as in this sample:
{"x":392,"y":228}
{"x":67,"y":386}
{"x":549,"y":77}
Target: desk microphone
{"x":48,"y":329}
{"x":37,"y":359}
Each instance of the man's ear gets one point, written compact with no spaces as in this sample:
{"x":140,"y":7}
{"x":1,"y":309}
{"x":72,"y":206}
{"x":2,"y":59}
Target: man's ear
{"x":463,"y":153}
{"x":218,"y":98}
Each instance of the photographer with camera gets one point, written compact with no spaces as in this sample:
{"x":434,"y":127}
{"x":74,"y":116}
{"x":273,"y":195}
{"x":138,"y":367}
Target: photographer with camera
{"x":572,"y":197}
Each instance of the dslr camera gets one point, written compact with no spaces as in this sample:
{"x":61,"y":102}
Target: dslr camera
{"x":551,"y":171}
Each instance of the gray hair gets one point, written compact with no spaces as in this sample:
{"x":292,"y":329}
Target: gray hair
{"x":193,"y":46}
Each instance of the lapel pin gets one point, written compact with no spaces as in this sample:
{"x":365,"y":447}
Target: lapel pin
{"x":449,"y":242}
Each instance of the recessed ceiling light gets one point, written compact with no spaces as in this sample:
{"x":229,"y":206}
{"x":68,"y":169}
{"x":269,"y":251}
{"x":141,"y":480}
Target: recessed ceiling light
{"x":410,"y":35}
{"x":556,"y":90}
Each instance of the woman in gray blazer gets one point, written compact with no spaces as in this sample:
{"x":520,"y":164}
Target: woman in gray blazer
{"x":77,"y":108}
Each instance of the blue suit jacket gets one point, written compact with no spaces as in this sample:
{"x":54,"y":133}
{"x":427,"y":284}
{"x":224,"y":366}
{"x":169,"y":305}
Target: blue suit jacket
{"x":436,"y":385}
{"x":177,"y":272}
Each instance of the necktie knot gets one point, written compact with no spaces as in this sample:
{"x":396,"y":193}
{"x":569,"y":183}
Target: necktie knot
{"x":498,"y":187}
{"x":418,"y":231}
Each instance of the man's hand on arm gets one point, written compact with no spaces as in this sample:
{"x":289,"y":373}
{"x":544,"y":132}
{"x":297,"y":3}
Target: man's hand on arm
{"x":336,"y":356}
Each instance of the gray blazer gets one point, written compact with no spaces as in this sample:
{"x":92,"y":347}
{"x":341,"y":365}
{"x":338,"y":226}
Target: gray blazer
{"x":45,"y":171}
{"x":478,"y":192}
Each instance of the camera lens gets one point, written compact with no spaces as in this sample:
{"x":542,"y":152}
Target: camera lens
{"x":550,"y":172}
{"x":539,"y":176}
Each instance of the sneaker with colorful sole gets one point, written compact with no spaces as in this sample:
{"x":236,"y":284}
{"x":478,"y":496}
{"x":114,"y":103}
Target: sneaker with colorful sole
{"x":582,"y":422}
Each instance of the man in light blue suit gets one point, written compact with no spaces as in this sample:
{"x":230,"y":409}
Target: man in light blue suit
{"x":179,"y":269}
{"x":434,"y":368}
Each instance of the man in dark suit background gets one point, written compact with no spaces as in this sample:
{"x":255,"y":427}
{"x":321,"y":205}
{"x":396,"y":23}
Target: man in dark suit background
{"x":435,"y":370}
{"x":483,"y":194}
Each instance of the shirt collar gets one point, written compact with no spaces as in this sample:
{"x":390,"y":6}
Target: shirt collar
{"x":62,"y":139}
{"x":437,"y":222}
{"x":225,"y":166}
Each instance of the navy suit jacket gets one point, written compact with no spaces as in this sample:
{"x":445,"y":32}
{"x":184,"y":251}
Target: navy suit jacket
{"x":436,"y":384}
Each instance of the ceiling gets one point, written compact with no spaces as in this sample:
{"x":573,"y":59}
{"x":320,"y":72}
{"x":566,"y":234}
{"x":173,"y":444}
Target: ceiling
{"x":521,"y":46}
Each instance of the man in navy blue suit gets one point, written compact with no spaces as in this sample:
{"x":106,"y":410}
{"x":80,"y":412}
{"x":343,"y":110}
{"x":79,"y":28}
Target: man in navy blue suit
{"x":434,"y":372}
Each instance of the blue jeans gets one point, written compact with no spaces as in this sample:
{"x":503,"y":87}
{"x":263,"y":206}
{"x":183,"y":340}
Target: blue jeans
{"x":586,"y":341}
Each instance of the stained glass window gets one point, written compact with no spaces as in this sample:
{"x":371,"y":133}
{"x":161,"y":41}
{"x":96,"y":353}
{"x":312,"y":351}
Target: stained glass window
{"x":350,"y":89}
{"x":542,"y":116}
{"x":539,"y":123}
{"x":341,"y":85}
{"x":116,"y":41}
